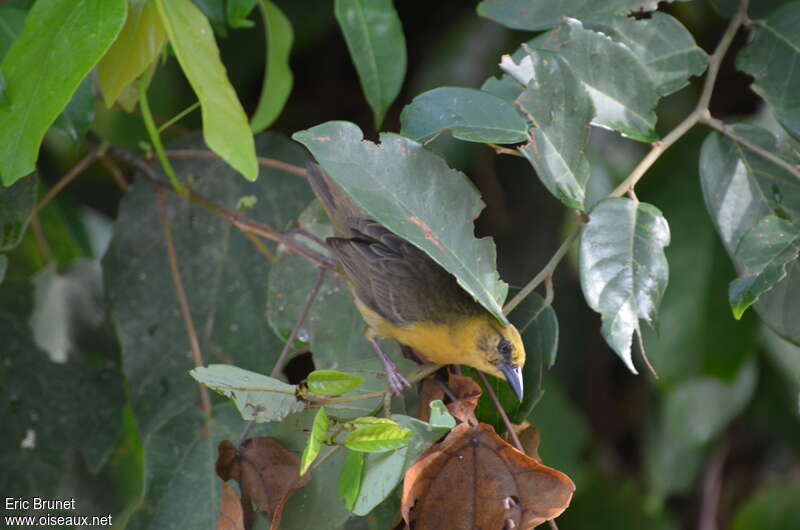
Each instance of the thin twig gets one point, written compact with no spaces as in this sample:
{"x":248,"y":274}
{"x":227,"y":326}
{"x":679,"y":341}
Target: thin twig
{"x":41,"y":241}
{"x":500,"y":150}
{"x":262,"y":161}
{"x":296,"y":329}
{"x":552,"y":523}
{"x":501,"y":410}
{"x":170,"y":122}
{"x":711,"y":490}
{"x":324,"y":457}
{"x":73,"y":173}
{"x":419,"y":375}
{"x":116,"y":172}
{"x":728,"y":131}
{"x":179,"y":292}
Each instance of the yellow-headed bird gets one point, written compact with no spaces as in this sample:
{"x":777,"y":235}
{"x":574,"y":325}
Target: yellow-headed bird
{"x":402,"y":293}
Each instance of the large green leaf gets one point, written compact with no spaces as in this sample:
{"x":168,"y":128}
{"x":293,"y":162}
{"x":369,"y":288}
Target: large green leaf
{"x":377,"y":46}
{"x":469,"y":114}
{"x":225,"y":126}
{"x":623,"y":268}
{"x":278,"y":77}
{"x":740,"y":188}
{"x":16,"y":208}
{"x":543,"y":14}
{"x":417,"y":196}
{"x":661,"y":43}
{"x":78,"y":115}
{"x":222,"y":272}
{"x":560,"y":109}
{"x":773,"y":508}
{"x":771,"y":58}
{"x":137,"y":46}
{"x":61,"y":41}
{"x":765,"y":252}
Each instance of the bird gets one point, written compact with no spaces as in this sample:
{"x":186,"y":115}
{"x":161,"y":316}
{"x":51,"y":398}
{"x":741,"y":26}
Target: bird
{"x":403,"y":294}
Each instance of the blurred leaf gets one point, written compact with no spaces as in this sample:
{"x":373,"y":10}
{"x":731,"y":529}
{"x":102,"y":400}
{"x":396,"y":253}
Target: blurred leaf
{"x":440,"y":416}
{"x":384,"y":471}
{"x":237,"y":12}
{"x":332,"y":382}
{"x":12,"y":20}
{"x":136,"y":47}
{"x":661,"y":43}
{"x":257,"y":396}
{"x":740,"y":188}
{"x":43,"y":68}
{"x":544,"y":14}
{"x":618,"y":82}
{"x":770,"y":59}
{"x":3,"y":267}
{"x":539,"y":329}
{"x":396,"y":182}
{"x":350,"y":478}
{"x":224,"y":276}
{"x":225,"y":126}
{"x":764,"y":252}
{"x":16,"y":208}
{"x":759,"y":9}
{"x":623,"y":268}
{"x":560,"y":109}
{"x":231,"y":515}
{"x":278,"y":79}
{"x":377,"y":438}
{"x":74,"y":120}
{"x":470,"y":115}
{"x":773,"y":508}
{"x":374,"y":36}
{"x":319,"y":430}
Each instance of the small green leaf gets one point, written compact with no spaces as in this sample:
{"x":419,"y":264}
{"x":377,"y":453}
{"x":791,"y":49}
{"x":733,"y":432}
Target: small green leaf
{"x":225,"y":126}
{"x":440,"y":416}
{"x":377,"y":46}
{"x":237,"y":12}
{"x":43,"y":68}
{"x":332,"y":382}
{"x":350,"y":478}
{"x":372,"y":420}
{"x":319,"y":430}
{"x":278,"y":78}
{"x":765,"y":252}
{"x":544,"y":14}
{"x":377,"y":438}
{"x":396,"y":182}
{"x":623,"y":268}
{"x":258,"y":397}
{"x":560,"y":109}
{"x":470,"y":115}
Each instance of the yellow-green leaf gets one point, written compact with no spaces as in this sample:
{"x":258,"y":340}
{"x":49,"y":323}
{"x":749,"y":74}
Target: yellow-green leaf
{"x":377,"y":438}
{"x":332,"y":382}
{"x":278,"y":77}
{"x":315,"y":440}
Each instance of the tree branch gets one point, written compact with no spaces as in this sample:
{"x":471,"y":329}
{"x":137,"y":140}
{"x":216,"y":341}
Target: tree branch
{"x":73,"y":173}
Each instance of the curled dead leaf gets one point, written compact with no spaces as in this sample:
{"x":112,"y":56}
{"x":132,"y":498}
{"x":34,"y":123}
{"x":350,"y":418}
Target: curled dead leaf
{"x":430,"y":391}
{"x":473,"y":479}
{"x":231,"y":515}
{"x":467,"y":393}
{"x":529,"y":438}
{"x":266,"y":472}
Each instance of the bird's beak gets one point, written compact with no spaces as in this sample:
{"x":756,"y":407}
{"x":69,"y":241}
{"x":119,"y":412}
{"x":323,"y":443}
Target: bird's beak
{"x":514,"y":378}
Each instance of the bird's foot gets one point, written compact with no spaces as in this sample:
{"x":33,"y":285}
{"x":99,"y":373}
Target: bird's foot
{"x":397,"y":382}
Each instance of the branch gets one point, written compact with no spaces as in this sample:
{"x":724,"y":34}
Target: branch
{"x":509,"y":426}
{"x":184,"y":304}
{"x":73,"y":173}
{"x":711,"y":490}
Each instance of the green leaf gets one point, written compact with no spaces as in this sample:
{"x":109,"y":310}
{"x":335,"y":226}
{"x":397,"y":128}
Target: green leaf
{"x":396,"y":182}
{"x":61,"y":41}
{"x":74,"y":120}
{"x":319,"y":430}
{"x":539,"y":329}
{"x":372,"y":420}
{"x":544,"y":14}
{"x":772,"y":508}
{"x":661,"y":43}
{"x":16,"y":208}
{"x":771,"y":58}
{"x":11,"y":22}
{"x":350,"y":478}
{"x":619,"y":84}
{"x":136,"y":47}
{"x":560,"y":109}
{"x":377,"y":46}
{"x":623,"y":268}
{"x":223,"y":274}
{"x":278,"y":77}
{"x":225,"y":126}
{"x":470,"y":115}
{"x":765,"y":252}
{"x":440,"y":416}
{"x":377,"y":438}
{"x":258,"y":397}
{"x":332,"y":382}
{"x":741,"y":188}
{"x":237,"y":12}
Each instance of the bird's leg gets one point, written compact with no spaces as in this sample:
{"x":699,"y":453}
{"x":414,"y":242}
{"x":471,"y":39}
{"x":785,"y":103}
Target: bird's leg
{"x":397,"y":382}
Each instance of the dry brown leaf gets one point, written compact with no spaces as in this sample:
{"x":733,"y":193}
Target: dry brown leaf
{"x":467,"y":393}
{"x":266,"y":472}
{"x":430,"y":391}
{"x":231,"y":516}
{"x":529,"y":438}
{"x":473,"y":479}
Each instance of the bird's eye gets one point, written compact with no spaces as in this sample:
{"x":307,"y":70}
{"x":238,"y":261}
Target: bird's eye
{"x":505,"y":348}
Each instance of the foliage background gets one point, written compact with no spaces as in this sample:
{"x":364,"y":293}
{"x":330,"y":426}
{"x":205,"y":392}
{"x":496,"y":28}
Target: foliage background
{"x":620,"y":437}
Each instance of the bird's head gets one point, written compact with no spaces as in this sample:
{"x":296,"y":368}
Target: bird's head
{"x":500,"y":352}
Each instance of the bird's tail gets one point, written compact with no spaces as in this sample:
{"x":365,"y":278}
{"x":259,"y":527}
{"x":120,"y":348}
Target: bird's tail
{"x":336,"y":203}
